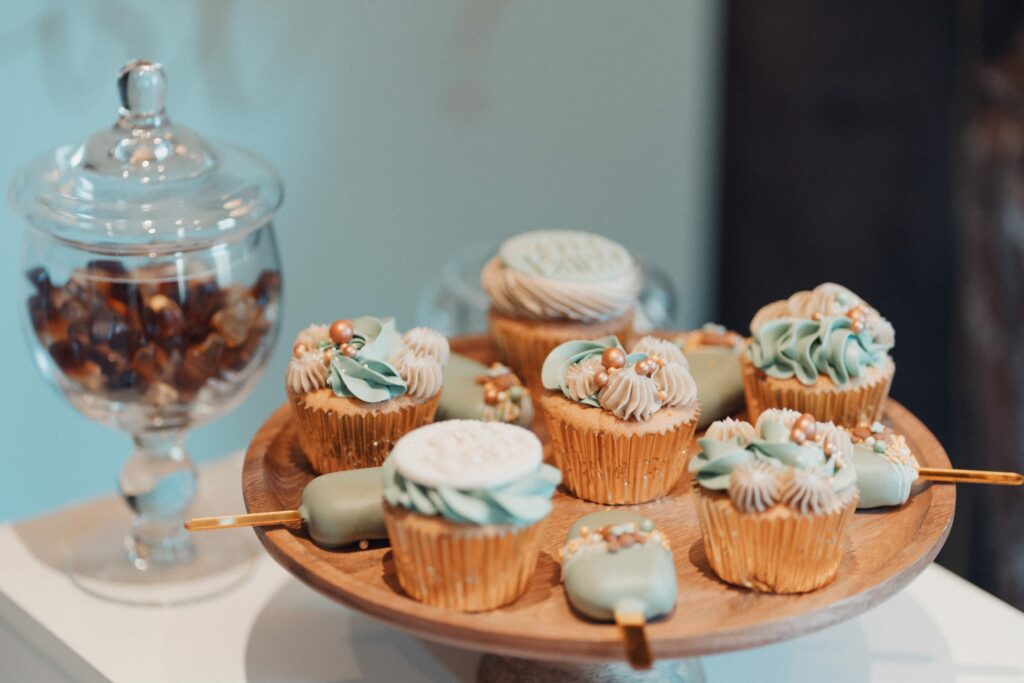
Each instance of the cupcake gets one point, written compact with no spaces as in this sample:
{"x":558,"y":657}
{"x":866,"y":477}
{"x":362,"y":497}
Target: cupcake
{"x":620,"y":423}
{"x":774,"y":500}
{"x":552,"y":286}
{"x":357,"y":386}
{"x":465,"y":504}
{"x":824,"y":352}
{"x":713,"y":353}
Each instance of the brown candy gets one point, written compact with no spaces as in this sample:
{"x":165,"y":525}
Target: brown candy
{"x":148,"y":330}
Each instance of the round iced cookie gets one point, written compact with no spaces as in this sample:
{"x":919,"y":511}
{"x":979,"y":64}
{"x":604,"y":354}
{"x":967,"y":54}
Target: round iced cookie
{"x":616,"y":560}
{"x":568,"y":255}
{"x":467,"y":454}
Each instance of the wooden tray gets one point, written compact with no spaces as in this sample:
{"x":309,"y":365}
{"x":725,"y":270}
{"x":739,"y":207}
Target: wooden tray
{"x":885,"y":551}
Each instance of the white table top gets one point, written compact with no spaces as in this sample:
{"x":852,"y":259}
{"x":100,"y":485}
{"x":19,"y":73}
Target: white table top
{"x":273,"y":628}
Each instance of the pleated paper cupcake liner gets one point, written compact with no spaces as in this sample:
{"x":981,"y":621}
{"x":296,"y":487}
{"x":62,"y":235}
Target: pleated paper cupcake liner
{"x":769,"y":552}
{"x":524,"y":347}
{"x":846,"y":406}
{"x":620,"y":469}
{"x":464,"y":567}
{"x":334,"y":441}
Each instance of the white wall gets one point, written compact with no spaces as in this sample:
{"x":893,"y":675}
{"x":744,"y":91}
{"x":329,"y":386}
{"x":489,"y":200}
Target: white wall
{"x":402,"y":130}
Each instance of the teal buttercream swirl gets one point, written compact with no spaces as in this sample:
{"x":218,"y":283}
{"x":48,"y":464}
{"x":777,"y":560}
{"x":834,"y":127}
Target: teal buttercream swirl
{"x":803,"y":348}
{"x":557,"y":363}
{"x":713,"y":466}
{"x":519,"y":503}
{"x":369,"y":376}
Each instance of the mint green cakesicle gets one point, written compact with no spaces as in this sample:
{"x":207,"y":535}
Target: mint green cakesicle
{"x":621,"y":565}
{"x":338,"y":509}
{"x":342,"y":508}
{"x":716,"y":371}
{"x":464,"y":395}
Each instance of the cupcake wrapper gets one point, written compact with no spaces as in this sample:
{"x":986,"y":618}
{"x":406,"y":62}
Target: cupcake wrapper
{"x":790,"y":554}
{"x":620,"y":469}
{"x":524,"y":350}
{"x":334,"y":442}
{"x":845,"y":406}
{"x":464,"y":567}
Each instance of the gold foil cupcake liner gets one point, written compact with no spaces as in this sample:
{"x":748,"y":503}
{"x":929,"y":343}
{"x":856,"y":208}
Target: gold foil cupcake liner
{"x":464,"y":567}
{"x":846,"y":406}
{"x":771,"y":552}
{"x":334,"y":441}
{"x":620,"y":469}
{"x":524,"y":346}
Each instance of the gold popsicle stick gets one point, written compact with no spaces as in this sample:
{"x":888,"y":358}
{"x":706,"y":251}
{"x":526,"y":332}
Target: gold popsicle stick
{"x":232,"y":521}
{"x":971,"y":476}
{"x":634,"y":638}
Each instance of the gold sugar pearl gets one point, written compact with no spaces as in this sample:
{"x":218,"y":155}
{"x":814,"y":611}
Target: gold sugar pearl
{"x":613,"y":358}
{"x":349,"y":350}
{"x":662,"y":396}
{"x":341,"y":331}
{"x":816,"y":315}
{"x":490,"y":396}
{"x":601,"y":380}
{"x":299,"y":349}
{"x":798,"y":435}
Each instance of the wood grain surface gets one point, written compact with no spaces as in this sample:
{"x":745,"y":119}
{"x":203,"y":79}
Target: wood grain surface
{"x":885,"y":550}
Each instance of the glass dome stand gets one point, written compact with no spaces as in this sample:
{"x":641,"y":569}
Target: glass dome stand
{"x":154,"y":287}
{"x":154,"y":561}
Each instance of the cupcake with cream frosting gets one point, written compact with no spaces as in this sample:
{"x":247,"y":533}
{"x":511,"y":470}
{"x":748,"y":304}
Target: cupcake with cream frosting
{"x":551,"y":286}
{"x":823,"y":351}
{"x":465,"y":504}
{"x":774,"y":500}
{"x":620,"y":423}
{"x":356,"y":386}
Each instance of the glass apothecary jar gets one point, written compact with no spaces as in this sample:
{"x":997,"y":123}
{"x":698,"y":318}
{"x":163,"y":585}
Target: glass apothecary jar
{"x":151,"y":301}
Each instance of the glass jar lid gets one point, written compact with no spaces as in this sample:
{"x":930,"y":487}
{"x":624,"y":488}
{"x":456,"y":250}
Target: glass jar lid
{"x":146,"y":184}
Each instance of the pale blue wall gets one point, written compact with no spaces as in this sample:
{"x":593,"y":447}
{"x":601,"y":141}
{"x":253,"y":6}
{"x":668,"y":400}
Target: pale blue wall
{"x":402,"y":130}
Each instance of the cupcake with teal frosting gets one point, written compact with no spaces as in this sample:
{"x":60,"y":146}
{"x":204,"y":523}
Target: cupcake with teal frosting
{"x":547,"y":287}
{"x":465,"y":504}
{"x":620,"y":423}
{"x":774,"y":500}
{"x":824,"y":352}
{"x":356,"y":386}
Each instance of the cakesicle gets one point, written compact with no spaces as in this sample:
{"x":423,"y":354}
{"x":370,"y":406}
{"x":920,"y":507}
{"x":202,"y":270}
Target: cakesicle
{"x":338,"y":509}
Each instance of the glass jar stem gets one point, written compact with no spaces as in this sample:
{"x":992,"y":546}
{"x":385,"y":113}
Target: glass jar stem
{"x":158,"y":483}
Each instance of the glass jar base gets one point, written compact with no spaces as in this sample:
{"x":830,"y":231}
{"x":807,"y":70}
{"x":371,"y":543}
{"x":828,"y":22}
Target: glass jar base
{"x":107,"y":566}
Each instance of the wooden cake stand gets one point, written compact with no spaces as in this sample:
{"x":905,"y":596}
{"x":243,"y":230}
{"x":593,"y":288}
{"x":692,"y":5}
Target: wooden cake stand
{"x":886,"y":549}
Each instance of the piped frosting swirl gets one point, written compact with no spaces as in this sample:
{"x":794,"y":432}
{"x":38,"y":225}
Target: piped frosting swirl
{"x":306,"y":372}
{"x":827,"y":331}
{"x":424,"y":341}
{"x":562,"y":274}
{"x":630,"y":396}
{"x":656,"y":346}
{"x":634,"y":386}
{"x":802,"y":456}
{"x":422,"y":373}
{"x":356,"y":359}
{"x":755,"y":487}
